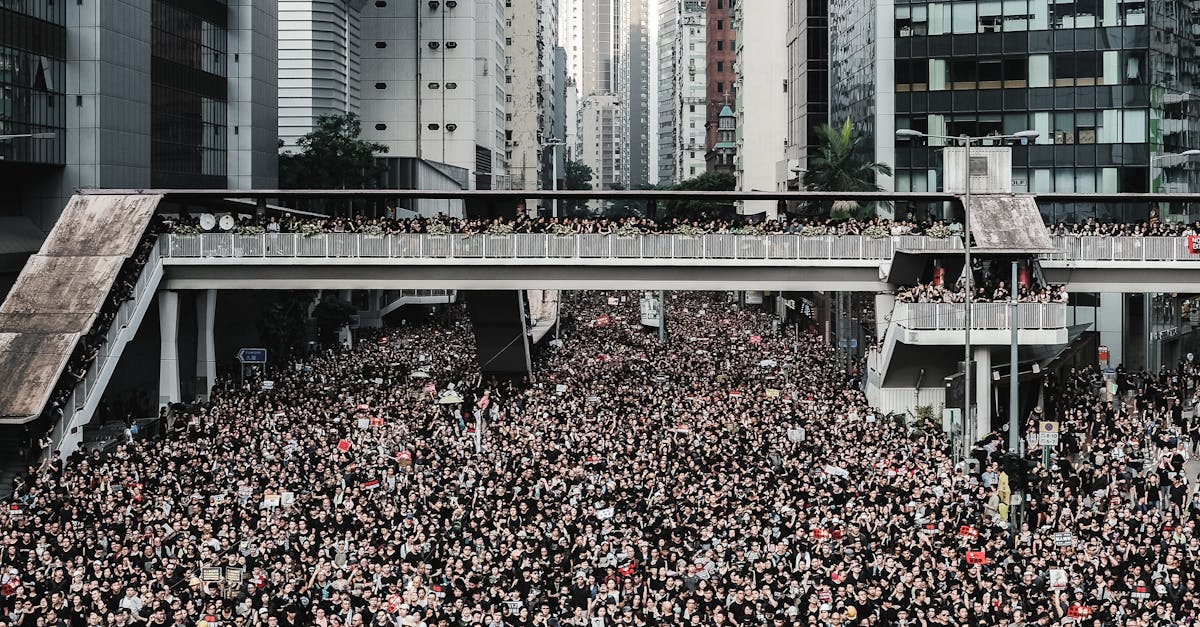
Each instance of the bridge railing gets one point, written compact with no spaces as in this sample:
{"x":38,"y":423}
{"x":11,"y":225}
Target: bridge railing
{"x":1122,"y":248}
{"x":547,"y":246}
{"x":984,"y":316}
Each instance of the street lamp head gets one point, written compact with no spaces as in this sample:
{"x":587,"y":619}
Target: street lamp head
{"x":43,"y":136}
{"x":1026,"y":134}
{"x":1190,"y":153}
{"x":908,"y":132}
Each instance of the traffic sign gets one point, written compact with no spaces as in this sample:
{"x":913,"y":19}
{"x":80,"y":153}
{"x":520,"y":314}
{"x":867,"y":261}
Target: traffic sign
{"x":252,"y":355}
{"x":1048,"y":433}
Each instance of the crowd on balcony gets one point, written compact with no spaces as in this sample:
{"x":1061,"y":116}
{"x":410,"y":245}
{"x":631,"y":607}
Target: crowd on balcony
{"x":1145,"y":228}
{"x":730,"y":477}
{"x":988,"y":285}
{"x":442,"y":225}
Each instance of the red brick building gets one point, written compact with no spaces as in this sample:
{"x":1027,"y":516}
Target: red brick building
{"x":719,"y":68}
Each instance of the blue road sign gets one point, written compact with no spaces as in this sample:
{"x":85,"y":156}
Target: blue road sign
{"x":252,"y":355}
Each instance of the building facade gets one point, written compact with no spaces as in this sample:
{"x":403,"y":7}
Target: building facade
{"x":137,"y":94}
{"x":682,"y":91}
{"x":808,"y":86}
{"x":761,"y":100}
{"x":720,"y":56}
{"x":530,"y":36}
{"x":319,"y":56}
{"x":633,"y":76}
{"x":1107,"y":86}
{"x":433,"y":87}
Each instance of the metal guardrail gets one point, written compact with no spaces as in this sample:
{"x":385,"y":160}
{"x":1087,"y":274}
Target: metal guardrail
{"x":651,"y":246}
{"x":547,"y":246}
{"x":984,"y":316}
{"x":144,"y":288}
{"x":1122,"y":248}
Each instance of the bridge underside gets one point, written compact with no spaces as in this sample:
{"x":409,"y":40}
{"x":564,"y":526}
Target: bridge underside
{"x":1127,"y":278}
{"x":364,"y":274}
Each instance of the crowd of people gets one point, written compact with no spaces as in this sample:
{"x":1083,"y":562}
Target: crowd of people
{"x":1145,"y":228}
{"x":988,"y":285}
{"x":442,"y":224}
{"x":729,"y":477}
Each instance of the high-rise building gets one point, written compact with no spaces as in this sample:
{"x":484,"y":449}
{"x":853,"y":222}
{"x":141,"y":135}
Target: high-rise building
{"x":155,"y":93}
{"x":761,"y":107}
{"x":808,"y":85}
{"x":613,"y":86}
{"x":529,"y":47}
{"x":682,"y":86}
{"x":1108,"y":86}
{"x":318,"y":63}
{"x":433,"y":90}
{"x":633,"y":76}
{"x":720,"y":57}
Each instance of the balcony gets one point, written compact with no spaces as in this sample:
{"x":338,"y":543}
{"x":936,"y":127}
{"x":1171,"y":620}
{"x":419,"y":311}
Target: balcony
{"x":940,"y":324}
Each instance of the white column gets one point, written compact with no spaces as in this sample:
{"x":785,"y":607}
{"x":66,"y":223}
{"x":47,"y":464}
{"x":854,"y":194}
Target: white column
{"x":884,"y":305}
{"x":206,"y":349}
{"x":168,"y":355}
{"x":983,"y":392}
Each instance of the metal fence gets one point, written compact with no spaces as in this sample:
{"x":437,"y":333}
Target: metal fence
{"x":1124,"y":248}
{"x":543,"y":246}
{"x":984,"y":316}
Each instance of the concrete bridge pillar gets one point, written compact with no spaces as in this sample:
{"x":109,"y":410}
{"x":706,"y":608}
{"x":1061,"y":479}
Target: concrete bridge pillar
{"x":168,"y":354}
{"x":206,"y":354}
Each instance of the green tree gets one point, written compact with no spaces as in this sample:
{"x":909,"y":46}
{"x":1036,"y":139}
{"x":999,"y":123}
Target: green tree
{"x":703,"y":209}
{"x":330,"y":314}
{"x":284,"y":327}
{"x":839,"y":166}
{"x":577,"y":175}
{"x":332,"y":156}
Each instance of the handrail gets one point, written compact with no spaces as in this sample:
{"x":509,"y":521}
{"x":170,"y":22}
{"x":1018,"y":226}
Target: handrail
{"x":1122,"y":248}
{"x":984,"y":316}
{"x":548,"y":246}
{"x":111,"y":347}
{"x":649,"y":246}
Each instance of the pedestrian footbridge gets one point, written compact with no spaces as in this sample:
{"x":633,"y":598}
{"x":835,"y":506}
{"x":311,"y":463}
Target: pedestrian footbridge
{"x":62,"y":289}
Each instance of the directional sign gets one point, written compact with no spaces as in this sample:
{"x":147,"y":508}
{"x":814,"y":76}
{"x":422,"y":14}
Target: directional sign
{"x":252,"y":355}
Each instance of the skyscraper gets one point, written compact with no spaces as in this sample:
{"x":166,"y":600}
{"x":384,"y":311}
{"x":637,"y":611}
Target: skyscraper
{"x":318,"y":63}
{"x":761,"y":99}
{"x":682,"y":90}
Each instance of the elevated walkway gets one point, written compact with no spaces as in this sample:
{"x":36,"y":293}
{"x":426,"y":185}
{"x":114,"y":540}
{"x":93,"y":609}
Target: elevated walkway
{"x":58,"y":297}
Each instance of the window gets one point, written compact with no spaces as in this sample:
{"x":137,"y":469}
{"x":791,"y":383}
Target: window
{"x":380,"y":85}
{"x":720,"y":66}
{"x":720,"y":87}
{"x":381,"y":127}
{"x":508,"y":41}
{"x":720,"y":24}
{"x":380,"y":3}
{"x":720,"y":44}
{"x":381,"y":44}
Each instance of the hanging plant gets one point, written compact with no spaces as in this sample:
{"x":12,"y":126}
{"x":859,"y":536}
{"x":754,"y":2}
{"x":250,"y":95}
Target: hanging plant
{"x":186,"y":229}
{"x":309,"y":229}
{"x":814,"y":230}
{"x":372,"y":229}
{"x":690,"y":230}
{"x":562,"y":229}
{"x":250,"y":229}
{"x":437,"y":227}
{"x":939,"y":231}
{"x":627,"y":230}
{"x":500,"y":228}
{"x":876,"y":231}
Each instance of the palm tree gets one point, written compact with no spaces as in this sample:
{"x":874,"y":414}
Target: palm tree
{"x":839,"y":167}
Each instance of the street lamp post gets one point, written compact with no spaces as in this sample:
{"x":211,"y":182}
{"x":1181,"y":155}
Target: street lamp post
{"x":967,"y":141}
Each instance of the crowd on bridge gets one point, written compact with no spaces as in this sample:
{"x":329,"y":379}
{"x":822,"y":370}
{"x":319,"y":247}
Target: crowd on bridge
{"x":729,"y":477}
{"x":442,"y":224}
{"x":1145,"y":228}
